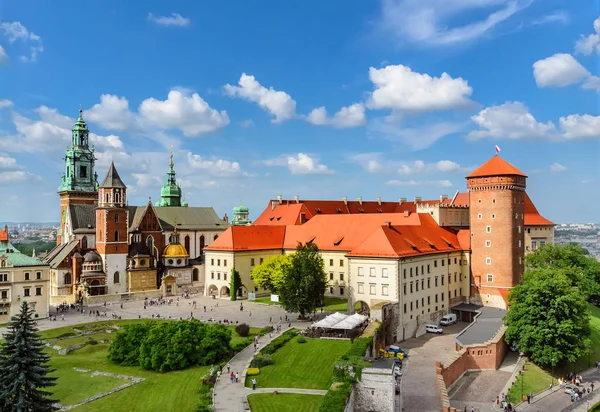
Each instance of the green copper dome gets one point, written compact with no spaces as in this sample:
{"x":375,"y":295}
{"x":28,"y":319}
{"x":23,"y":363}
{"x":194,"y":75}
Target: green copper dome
{"x":170,"y":194}
{"x":240,"y":209}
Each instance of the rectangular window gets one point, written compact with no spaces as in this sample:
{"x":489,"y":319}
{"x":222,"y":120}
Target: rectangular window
{"x":428,"y":269}
{"x":455,"y":261}
{"x":384,"y":273}
{"x":3,"y":277}
{"x":488,"y":229}
{"x":342,"y":291}
{"x":341,"y":276}
{"x":417,"y":271}
{"x":428,"y":283}
{"x":442,"y":295}
{"x":26,"y":275}
{"x":331,"y":291}
{"x":341,"y":263}
{"x":441,"y":277}
{"x":404,"y":273}
{"x":435,"y":263}
{"x":372,"y":272}
{"x":212,"y":262}
{"x":372,"y":289}
{"x":384,"y":290}
{"x":251,"y":261}
{"x":218,"y":262}
{"x":443,"y":262}
{"x":26,"y":292}
{"x":330,"y":275}
{"x":4,"y":310}
{"x":361,"y":288}
{"x":488,"y":243}
{"x":4,"y":294}
{"x":417,"y":304}
{"x":38,"y":275}
{"x":455,"y":277}
{"x":212,"y":275}
{"x":542,"y":243}
{"x":38,"y":291}
{"x":411,"y":306}
{"x":361,"y":271}
{"x":429,"y":300}
{"x":436,"y":281}
{"x":411,"y":287}
{"x":83,"y":172}
{"x":436,"y":298}
{"x":422,"y":284}
{"x":416,"y":286}
{"x":218,"y":275}
{"x":330,"y":262}
{"x":225,"y":276}
{"x":411,"y":272}
{"x":261,"y":260}
{"x":404,"y":288}
{"x":488,"y":260}
{"x":225,"y":262}
{"x":405,"y":308}
{"x":422,"y":302}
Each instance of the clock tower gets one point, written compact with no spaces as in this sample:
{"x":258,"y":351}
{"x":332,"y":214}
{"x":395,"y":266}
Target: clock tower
{"x":79,"y":184}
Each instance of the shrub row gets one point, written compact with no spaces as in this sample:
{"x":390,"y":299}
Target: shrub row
{"x":336,"y":398}
{"x":261,"y":360}
{"x":279,"y":341}
{"x":252,"y":371}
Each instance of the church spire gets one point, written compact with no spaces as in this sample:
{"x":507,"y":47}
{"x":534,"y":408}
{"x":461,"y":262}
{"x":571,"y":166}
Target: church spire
{"x":170,"y":193}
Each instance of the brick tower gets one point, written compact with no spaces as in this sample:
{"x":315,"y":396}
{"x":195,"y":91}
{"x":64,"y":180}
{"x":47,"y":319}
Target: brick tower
{"x":496,"y":193}
{"x":111,"y":230}
{"x":79,"y":184}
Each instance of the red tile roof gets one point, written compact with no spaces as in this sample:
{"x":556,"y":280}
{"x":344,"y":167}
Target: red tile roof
{"x":532,"y":216}
{"x":240,"y":238}
{"x":4,"y":234}
{"x":464,"y":238}
{"x":496,"y":166}
{"x":289,"y":211}
{"x":399,"y":241}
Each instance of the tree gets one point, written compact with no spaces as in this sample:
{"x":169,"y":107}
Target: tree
{"x":23,"y":367}
{"x":270,"y":274}
{"x":234,"y":284}
{"x":305,"y":280}
{"x":581,"y":269}
{"x":548,"y":318}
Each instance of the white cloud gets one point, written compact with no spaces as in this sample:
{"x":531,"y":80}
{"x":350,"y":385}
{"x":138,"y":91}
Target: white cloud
{"x":13,"y":176}
{"x":417,"y":138}
{"x":556,"y":17}
{"x":146,"y":180}
{"x":373,"y":163}
{"x":5,"y":103}
{"x":14,"y":31}
{"x":175,"y":19}
{"x":592,"y":82}
{"x":399,"y":88}
{"x":300,"y":164}
{"x":191,"y":114}
{"x":370,"y":162}
{"x":430,"y":22}
{"x":412,"y":183}
{"x":215,"y":167}
{"x":577,"y":126}
{"x":3,"y":56}
{"x":247,"y":124}
{"x":510,"y":120}
{"x":591,"y":43}
{"x":350,"y":116}
{"x":111,"y":113}
{"x":278,"y":103}
{"x":557,"y":167}
{"x":7,"y":162}
{"x":447,"y":166}
{"x":558,"y":71}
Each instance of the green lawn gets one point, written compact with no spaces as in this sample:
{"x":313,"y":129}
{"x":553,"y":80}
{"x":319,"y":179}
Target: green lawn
{"x":157,"y":392}
{"x":334,"y":304}
{"x":537,"y":379}
{"x":284,"y":402}
{"x":77,"y":340}
{"x":302,"y":365}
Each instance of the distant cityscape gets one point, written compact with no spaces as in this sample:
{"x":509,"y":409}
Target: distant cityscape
{"x":587,"y":235}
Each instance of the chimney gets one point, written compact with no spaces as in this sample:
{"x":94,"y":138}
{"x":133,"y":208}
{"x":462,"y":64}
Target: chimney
{"x":345,"y":199}
{"x":280,"y":199}
{"x":359,"y":200}
{"x":402,"y":200}
{"x":443,"y":197}
{"x":406,"y":213}
{"x":417,"y":199}
{"x":302,"y":218}
{"x":226,"y":218}
{"x":389,"y":224}
{"x":378,"y":200}
{"x":297,"y":199}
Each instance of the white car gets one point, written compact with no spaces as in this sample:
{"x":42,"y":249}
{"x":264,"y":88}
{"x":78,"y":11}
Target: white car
{"x":434,"y":329}
{"x":449,"y":319}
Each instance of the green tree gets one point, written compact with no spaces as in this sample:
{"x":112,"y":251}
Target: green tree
{"x":548,"y":317}
{"x":23,"y":367}
{"x":305,"y":280}
{"x":270,"y":274}
{"x":581,"y":269}
{"x":234,"y":284}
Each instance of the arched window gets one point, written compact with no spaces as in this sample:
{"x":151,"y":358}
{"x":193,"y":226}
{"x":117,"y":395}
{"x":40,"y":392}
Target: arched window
{"x":202,"y":243}
{"x":116,"y":198}
{"x":116,"y":218}
{"x":107,"y":198}
{"x":187,"y":243}
{"x":195,"y":275}
{"x":3,"y":263}
{"x":84,"y":244}
{"x":216,"y":236}
{"x":68,"y":278}
{"x":150,"y":244}
{"x":116,"y":277}
{"x":116,"y":235}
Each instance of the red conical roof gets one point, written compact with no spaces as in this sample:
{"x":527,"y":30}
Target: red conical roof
{"x":496,"y":166}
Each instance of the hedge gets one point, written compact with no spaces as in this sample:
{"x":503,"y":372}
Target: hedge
{"x":279,"y":341}
{"x":336,"y":398}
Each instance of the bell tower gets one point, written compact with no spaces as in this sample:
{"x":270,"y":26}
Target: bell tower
{"x":496,"y":213}
{"x":79,"y":183}
{"x":112,"y":222}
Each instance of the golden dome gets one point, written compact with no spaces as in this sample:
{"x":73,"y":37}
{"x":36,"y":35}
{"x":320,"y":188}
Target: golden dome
{"x":175,"y":250}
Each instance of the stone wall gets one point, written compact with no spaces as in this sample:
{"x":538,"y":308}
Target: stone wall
{"x":351,"y":401}
{"x":375,"y":391}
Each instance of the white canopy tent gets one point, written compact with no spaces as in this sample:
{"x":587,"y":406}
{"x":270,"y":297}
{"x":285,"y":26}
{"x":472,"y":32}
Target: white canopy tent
{"x":330,"y":320}
{"x":350,"y":322}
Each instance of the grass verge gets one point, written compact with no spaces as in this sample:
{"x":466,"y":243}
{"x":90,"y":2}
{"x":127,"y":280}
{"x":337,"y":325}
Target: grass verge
{"x":284,"y":402}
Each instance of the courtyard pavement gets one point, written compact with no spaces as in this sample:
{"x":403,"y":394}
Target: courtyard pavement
{"x":419,"y":389}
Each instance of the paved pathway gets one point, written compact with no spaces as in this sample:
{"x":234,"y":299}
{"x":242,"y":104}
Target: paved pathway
{"x":230,"y":397}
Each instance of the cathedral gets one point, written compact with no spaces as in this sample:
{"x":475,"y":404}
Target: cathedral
{"x":106,"y":246}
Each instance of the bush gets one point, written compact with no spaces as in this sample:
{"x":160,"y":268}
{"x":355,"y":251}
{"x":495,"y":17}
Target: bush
{"x":242,"y":329}
{"x":264,"y":331}
{"x":92,"y":342}
{"x":336,"y":398}
{"x":301,"y":339}
{"x":252,"y":371}
{"x":261,"y":360}
{"x":279,"y":341}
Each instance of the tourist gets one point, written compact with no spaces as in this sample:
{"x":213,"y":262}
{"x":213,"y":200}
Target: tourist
{"x":253,"y":384}
{"x":228,"y":367}
{"x":237,"y":377}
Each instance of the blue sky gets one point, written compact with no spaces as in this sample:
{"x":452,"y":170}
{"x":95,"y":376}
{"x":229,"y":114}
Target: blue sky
{"x":391,"y":98}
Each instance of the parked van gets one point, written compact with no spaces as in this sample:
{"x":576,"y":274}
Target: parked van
{"x":433,"y":329}
{"x":449,"y":319}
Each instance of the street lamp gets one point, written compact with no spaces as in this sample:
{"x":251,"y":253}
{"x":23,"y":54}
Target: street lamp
{"x":522,"y":380}
{"x":552,"y":375}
